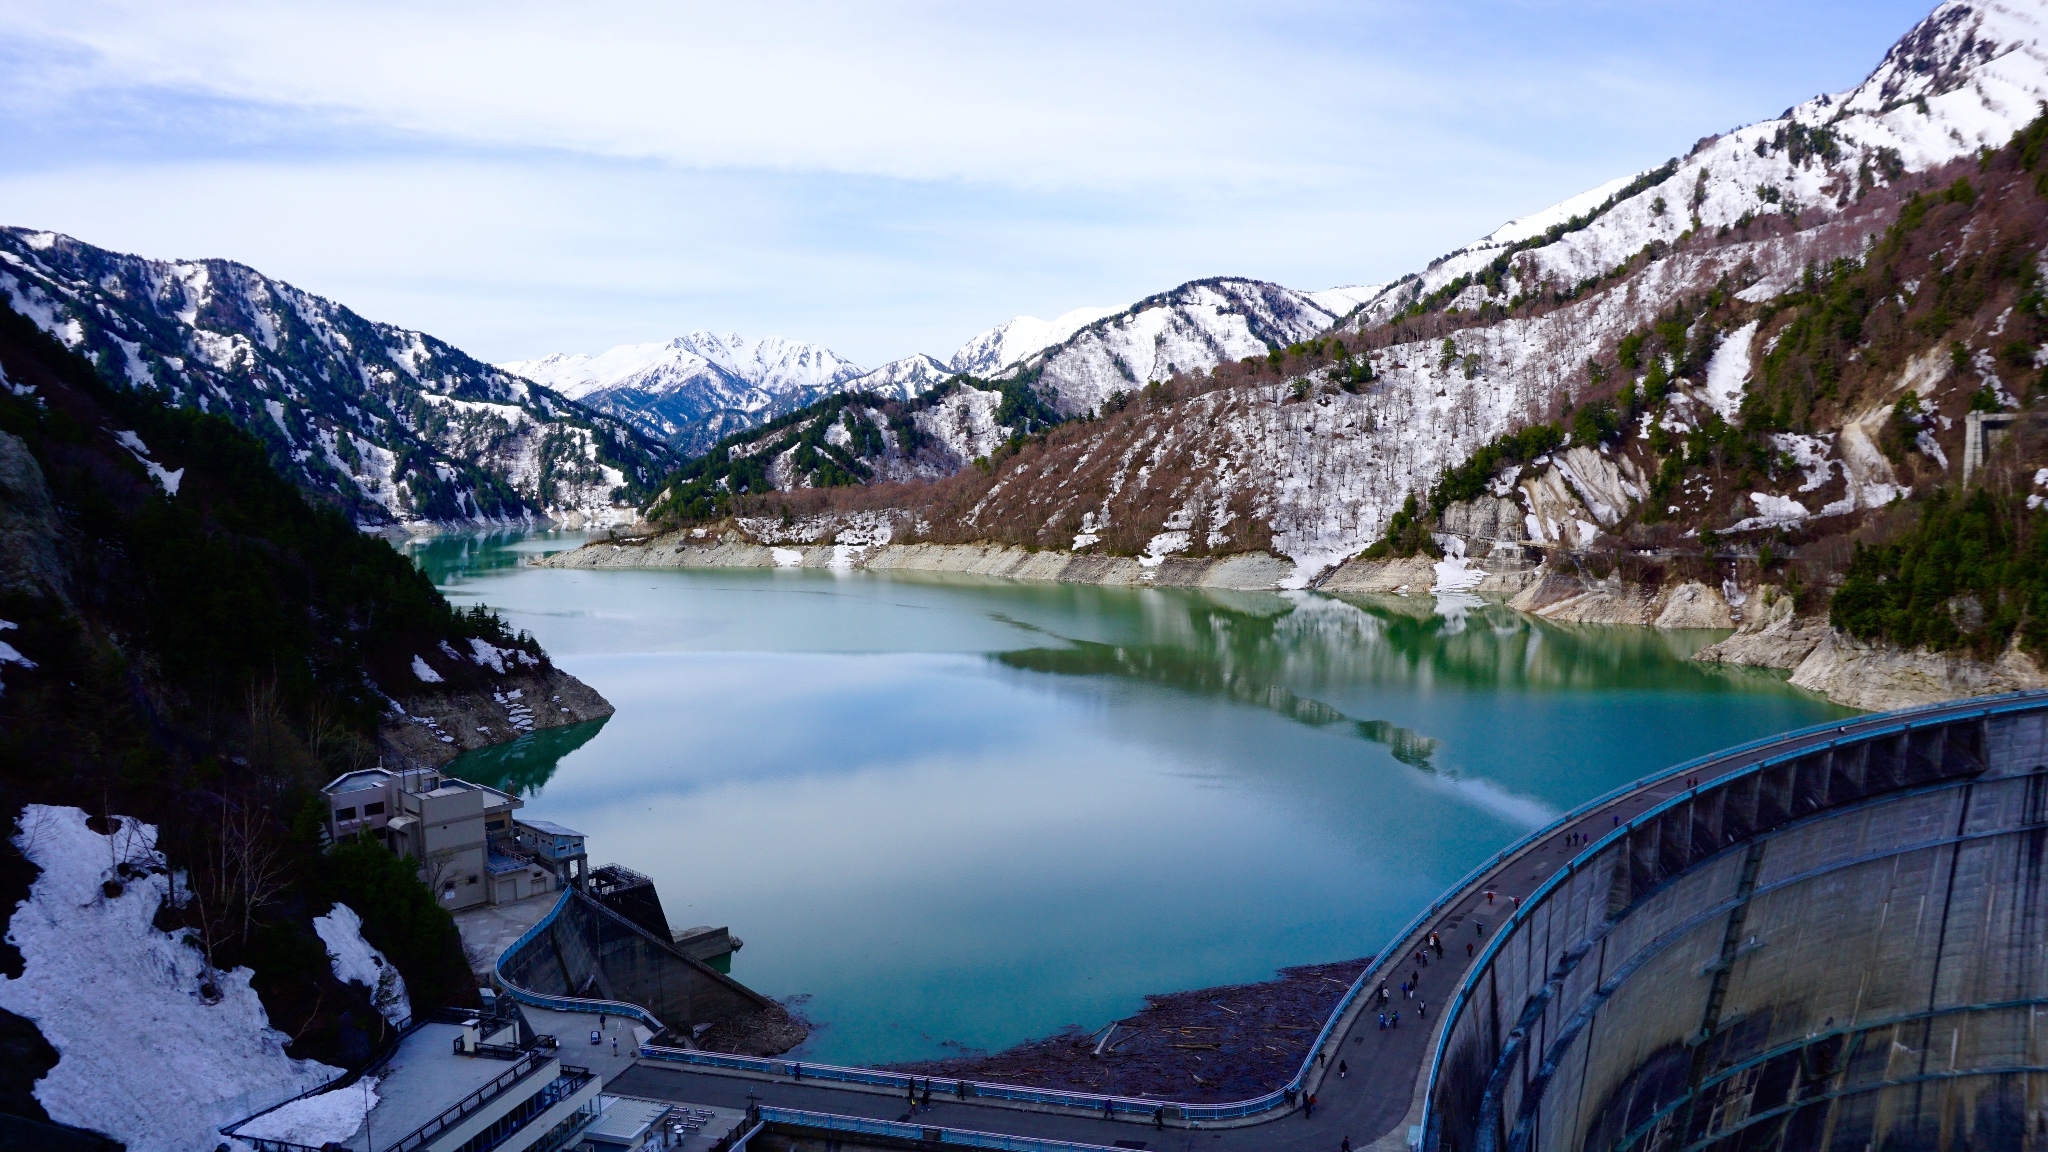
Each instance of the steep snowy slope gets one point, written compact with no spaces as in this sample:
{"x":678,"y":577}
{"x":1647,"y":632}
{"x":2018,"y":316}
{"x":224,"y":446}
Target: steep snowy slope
{"x":1966,"y":78}
{"x":1190,"y":329}
{"x":694,"y":389}
{"x":1003,"y":345}
{"x":1736,"y":375}
{"x":393,"y":424}
{"x":111,"y":992}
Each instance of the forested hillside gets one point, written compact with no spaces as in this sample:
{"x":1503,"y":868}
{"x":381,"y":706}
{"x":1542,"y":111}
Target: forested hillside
{"x":185,"y":640}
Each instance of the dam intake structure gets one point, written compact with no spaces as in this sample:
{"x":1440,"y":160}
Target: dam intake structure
{"x":1841,"y":947}
{"x":606,"y":947}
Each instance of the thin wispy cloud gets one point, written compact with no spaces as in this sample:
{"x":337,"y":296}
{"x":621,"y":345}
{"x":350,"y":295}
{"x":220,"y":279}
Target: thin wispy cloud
{"x":525,"y":178}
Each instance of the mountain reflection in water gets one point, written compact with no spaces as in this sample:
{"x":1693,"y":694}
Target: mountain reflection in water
{"x":1242,"y":647}
{"x":954,"y":809}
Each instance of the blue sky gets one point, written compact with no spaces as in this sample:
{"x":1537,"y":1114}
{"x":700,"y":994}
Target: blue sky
{"x":522,"y":178}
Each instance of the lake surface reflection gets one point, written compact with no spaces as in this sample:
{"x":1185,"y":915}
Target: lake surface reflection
{"x":959,"y":813}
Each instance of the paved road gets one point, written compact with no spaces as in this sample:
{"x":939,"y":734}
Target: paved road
{"x":1372,"y":1105}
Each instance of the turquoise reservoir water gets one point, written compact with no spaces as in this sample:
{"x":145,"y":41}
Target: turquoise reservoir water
{"x":960,"y":813}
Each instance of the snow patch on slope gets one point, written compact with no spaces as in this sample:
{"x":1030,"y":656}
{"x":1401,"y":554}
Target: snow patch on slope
{"x":1728,"y":371}
{"x":315,"y":1121}
{"x":154,"y":1048}
{"x":355,"y":961}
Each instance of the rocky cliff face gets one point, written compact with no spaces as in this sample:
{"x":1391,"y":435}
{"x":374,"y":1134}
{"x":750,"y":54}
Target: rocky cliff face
{"x":390,"y":424}
{"x":513,"y":702}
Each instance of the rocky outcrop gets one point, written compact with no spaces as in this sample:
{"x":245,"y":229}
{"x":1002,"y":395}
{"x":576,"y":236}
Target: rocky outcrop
{"x":1880,"y":677}
{"x":1574,"y":598}
{"x":436,"y":729}
{"x":1502,"y":573}
{"x":1774,"y":635}
{"x":31,"y":563}
{"x":1248,"y":571}
{"x":1875,"y":677}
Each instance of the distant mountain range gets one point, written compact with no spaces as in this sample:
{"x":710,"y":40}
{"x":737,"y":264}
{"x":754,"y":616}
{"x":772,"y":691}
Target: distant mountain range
{"x":697,"y":389}
{"x":400,"y":427}
{"x":1651,"y":336}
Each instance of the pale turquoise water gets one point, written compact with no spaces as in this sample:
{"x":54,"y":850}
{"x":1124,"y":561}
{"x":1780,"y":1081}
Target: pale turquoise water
{"x":967,"y":812}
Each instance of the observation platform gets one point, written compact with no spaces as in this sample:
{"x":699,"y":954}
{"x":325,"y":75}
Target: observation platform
{"x":1732,"y":952}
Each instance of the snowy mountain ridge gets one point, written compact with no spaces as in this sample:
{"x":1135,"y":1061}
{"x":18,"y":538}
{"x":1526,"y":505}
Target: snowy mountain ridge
{"x":1656,"y":299}
{"x":392,"y":424}
{"x":1189,"y":329}
{"x":1964,"y":79}
{"x":988,"y":353}
{"x":694,"y":389}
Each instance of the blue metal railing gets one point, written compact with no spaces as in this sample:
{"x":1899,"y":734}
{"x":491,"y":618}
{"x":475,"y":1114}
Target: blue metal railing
{"x":563,"y":1003}
{"x":1866,"y":728}
{"x":904,"y":1130}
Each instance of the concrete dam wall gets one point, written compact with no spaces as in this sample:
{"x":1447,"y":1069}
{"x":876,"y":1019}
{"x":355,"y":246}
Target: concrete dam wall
{"x":1843,"y":948}
{"x":589,"y":951}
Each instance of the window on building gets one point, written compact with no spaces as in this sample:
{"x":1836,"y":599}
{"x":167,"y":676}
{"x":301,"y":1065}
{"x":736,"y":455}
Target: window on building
{"x":344,"y":813}
{"x":494,"y":825}
{"x":376,"y":809}
{"x":472,"y":879}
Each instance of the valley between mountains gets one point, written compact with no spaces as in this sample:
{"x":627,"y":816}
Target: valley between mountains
{"x":1786,"y":383}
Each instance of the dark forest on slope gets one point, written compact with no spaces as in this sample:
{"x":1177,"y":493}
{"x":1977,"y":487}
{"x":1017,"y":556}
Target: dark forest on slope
{"x":204,"y":661}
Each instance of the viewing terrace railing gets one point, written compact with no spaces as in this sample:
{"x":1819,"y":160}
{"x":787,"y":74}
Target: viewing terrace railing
{"x":1796,"y":744}
{"x":925,"y":1135}
{"x":564,"y":1003}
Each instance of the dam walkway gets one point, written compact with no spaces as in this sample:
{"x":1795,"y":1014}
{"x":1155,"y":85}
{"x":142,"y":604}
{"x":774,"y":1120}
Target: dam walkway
{"x":1379,"y":1104}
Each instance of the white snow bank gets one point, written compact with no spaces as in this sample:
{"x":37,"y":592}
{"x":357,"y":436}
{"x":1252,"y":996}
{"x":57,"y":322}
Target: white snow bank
{"x":355,"y":961}
{"x":330,"y":1117}
{"x":9,"y":654}
{"x":787,"y":557}
{"x":1776,"y":512}
{"x":1728,"y":371}
{"x":1456,"y":574}
{"x":145,"y":1053}
{"x":425,"y":671}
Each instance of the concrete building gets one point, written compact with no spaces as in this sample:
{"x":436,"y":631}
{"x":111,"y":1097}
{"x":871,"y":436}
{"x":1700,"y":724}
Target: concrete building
{"x":470,"y":848}
{"x":560,"y":849}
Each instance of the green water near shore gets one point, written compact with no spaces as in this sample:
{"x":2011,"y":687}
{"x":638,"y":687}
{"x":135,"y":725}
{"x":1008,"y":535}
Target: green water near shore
{"x":956,"y":813}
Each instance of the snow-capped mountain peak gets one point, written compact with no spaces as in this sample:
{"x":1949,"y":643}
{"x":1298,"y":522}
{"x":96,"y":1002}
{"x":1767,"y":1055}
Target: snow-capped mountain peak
{"x":1009,"y":342}
{"x":1965,"y":78}
{"x":773,"y":364}
{"x":694,"y":389}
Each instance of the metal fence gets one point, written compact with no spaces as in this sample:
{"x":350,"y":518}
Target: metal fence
{"x":925,"y":1134}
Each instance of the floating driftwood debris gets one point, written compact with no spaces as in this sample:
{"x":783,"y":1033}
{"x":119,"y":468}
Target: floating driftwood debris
{"x":1245,"y":1039}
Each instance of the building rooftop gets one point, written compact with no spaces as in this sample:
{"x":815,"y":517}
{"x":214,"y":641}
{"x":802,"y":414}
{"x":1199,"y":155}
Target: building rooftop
{"x":422,"y":1081}
{"x":357,"y":781}
{"x":550,"y":828}
{"x":626,"y":1121}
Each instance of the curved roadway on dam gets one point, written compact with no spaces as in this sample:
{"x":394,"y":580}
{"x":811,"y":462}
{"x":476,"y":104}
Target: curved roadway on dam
{"x":1491,"y":1070}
